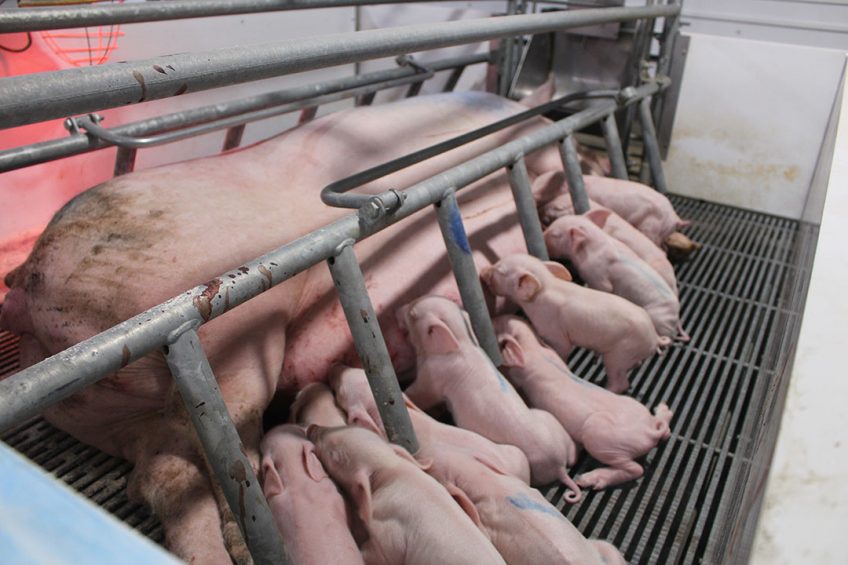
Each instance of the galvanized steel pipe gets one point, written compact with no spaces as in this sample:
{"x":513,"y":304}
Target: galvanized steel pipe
{"x":224,"y":451}
{"x":651,"y":145}
{"x":33,"y":389}
{"x":371,"y":347}
{"x":466,"y":275}
{"x":617,"y":159}
{"x":43,"y":96}
{"x":573,"y":174}
{"x":528,"y":216}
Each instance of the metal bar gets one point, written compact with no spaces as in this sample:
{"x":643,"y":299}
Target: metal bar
{"x":651,"y":146}
{"x":34,"y":19}
{"x":76,"y":144}
{"x":224,"y":451}
{"x":574,"y":176}
{"x":37,"y":97}
{"x":453,"y":79}
{"x":365,"y":99}
{"x":33,"y":389}
{"x":233,"y":137}
{"x":371,"y":347}
{"x":614,"y":150}
{"x":414,"y":89}
{"x":125,"y":161}
{"x":528,"y":216}
{"x":334,"y":193}
{"x":465,"y":272}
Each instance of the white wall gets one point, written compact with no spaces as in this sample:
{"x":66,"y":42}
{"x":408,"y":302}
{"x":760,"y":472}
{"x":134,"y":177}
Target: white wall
{"x":750,"y":122}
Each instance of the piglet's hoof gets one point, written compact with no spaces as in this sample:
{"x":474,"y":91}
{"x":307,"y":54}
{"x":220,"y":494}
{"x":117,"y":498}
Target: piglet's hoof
{"x":680,"y":248}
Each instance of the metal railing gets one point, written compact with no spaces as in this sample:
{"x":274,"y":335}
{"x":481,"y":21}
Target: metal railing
{"x":172,"y":325}
{"x":58,"y":94}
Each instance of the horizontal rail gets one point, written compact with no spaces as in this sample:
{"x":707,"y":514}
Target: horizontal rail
{"x":57,"y":94}
{"x":225,"y":114}
{"x":33,"y":389}
{"x":34,"y":19}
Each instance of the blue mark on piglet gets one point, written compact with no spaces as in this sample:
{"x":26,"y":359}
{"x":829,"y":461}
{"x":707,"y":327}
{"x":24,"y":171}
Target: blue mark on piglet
{"x":524,"y":502}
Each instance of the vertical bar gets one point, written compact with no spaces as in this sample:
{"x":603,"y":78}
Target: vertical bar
{"x":202,"y":398}
{"x":307,"y":114}
{"x":571,"y":162}
{"x":414,"y":89}
{"x":233,"y":137}
{"x":614,"y":150}
{"x":507,"y":55}
{"x":365,"y":99}
{"x":465,"y":272}
{"x":453,"y":79}
{"x":528,"y":216}
{"x":371,"y":347}
{"x":125,"y":161}
{"x":652,"y":147}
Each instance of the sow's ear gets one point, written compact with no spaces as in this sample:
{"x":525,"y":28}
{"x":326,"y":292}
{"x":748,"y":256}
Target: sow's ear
{"x":558,"y":271}
{"x":511,"y":353}
{"x":272,"y":484}
{"x":528,"y":287}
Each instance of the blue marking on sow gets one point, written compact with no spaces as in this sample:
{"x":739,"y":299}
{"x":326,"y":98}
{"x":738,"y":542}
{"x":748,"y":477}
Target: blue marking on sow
{"x":524,"y":502}
{"x":458,"y":231}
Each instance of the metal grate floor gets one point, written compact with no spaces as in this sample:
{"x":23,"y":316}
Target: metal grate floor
{"x":740,"y":299}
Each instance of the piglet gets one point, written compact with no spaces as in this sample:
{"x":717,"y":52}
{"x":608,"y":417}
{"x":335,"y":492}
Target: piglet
{"x":524,"y":527}
{"x":615,"y":226}
{"x":308,"y":508}
{"x":614,"y":429}
{"x":355,"y":397}
{"x":315,"y":404}
{"x":568,"y":315}
{"x":410,"y":518}
{"x":608,"y":265}
{"x":452,"y":368}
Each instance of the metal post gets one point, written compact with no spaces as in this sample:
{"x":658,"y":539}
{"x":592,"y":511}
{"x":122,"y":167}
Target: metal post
{"x":614,"y":150}
{"x":651,"y":146}
{"x":414,"y":89}
{"x":202,"y":398}
{"x":365,"y":99}
{"x":371,"y":347}
{"x":453,"y":79}
{"x":571,"y":162}
{"x":124,"y":161}
{"x":528,"y":216}
{"x":465,"y":272}
{"x":233,"y":138}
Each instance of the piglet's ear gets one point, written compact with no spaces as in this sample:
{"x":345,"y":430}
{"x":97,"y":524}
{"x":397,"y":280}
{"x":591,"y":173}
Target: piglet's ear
{"x":360,"y":417}
{"x":557,"y":270}
{"x":598,"y":217}
{"x":465,"y":503}
{"x":272,"y":484}
{"x":491,"y":465}
{"x":361,"y":494}
{"x":511,"y":352}
{"x":424,"y":464}
{"x":578,"y":238}
{"x":528,"y":287}
{"x":440,"y":339}
{"x":311,"y":464}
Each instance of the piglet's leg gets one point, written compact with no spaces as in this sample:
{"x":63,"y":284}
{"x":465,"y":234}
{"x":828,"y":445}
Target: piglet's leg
{"x":616,"y":369}
{"x":610,"y":476}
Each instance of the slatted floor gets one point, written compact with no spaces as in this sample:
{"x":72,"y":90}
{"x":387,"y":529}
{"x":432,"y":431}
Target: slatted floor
{"x":740,"y":299}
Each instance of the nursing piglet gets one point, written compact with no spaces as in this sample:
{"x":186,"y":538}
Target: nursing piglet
{"x":308,"y":508}
{"x":355,"y":397}
{"x":523,"y":526}
{"x":452,"y":368}
{"x":410,"y":518}
{"x":568,"y":315}
{"x":615,"y":226}
{"x":315,"y":404}
{"x":614,"y":429}
{"x":607,"y":264}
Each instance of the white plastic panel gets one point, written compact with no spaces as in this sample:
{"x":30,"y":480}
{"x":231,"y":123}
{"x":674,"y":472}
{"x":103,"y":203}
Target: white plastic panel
{"x":806,"y":500}
{"x":750,"y":122}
